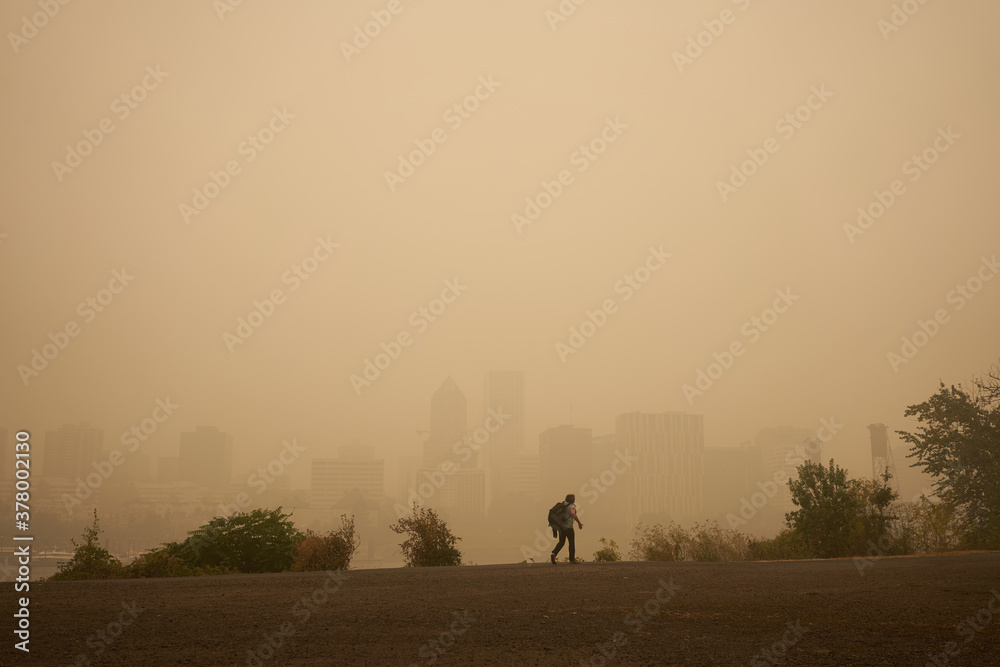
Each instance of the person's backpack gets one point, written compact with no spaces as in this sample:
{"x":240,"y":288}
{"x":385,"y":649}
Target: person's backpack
{"x":558,"y":514}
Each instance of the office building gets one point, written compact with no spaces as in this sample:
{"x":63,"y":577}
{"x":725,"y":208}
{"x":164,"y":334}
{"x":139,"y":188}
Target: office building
{"x":206,"y":458}
{"x":354,"y":468}
{"x":71,"y":451}
{"x":664,"y":483}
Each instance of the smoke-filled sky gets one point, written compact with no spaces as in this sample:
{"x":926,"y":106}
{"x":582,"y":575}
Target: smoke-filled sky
{"x":204,"y":152}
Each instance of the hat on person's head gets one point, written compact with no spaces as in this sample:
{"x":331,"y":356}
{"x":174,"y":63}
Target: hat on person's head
{"x":570,"y":498}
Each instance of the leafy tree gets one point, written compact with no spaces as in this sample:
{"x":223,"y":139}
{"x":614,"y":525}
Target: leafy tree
{"x":90,"y":560}
{"x":958,"y":442}
{"x":430,"y":542}
{"x":258,"y":541}
{"x":925,"y":526}
{"x":837,"y":516}
{"x":330,"y":552}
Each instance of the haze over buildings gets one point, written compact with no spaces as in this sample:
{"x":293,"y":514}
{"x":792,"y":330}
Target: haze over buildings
{"x":611,"y":245}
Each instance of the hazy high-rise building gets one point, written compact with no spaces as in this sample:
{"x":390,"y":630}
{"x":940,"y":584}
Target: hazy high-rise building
{"x":71,"y":451}
{"x":449,"y":424}
{"x":601,"y":499}
{"x":666,"y":478}
{"x":166,"y":469}
{"x":354,"y":468}
{"x":565,"y":456}
{"x":206,"y":458}
{"x":406,"y":468}
{"x":524,"y":478}
{"x":732,"y":474}
{"x":458,"y":494}
{"x":504,"y":391}
{"x":782,"y":450}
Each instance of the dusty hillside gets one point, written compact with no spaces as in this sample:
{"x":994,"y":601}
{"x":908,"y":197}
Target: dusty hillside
{"x":814,"y":612}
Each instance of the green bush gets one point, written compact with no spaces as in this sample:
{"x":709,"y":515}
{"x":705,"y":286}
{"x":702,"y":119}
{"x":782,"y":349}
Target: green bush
{"x":258,"y":541}
{"x":607,"y":553}
{"x":657,"y":543}
{"x":925,"y":527}
{"x":704,"y":542}
{"x":90,"y":560}
{"x":710,"y":542}
{"x":332,"y":551}
{"x":430,"y":542}
{"x":786,"y":545}
{"x":158,"y":563}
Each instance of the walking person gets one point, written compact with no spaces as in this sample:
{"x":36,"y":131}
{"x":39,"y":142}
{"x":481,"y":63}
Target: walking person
{"x":562,"y":521}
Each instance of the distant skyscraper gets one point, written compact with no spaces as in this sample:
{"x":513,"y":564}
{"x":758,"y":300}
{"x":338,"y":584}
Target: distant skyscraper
{"x":565,"y":456}
{"x":459,"y":494}
{"x":666,"y":478}
{"x":504,"y":390}
{"x":783,"y":448}
{"x":355,"y":468}
{"x":206,"y":458}
{"x":166,"y":470}
{"x":449,"y":424}
{"x":71,"y":451}
{"x":732,"y":474}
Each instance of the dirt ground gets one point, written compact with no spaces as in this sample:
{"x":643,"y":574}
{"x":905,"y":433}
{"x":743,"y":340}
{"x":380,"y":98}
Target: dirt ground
{"x":898,"y":612}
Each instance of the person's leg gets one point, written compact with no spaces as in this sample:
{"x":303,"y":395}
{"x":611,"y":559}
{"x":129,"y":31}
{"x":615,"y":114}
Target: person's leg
{"x":571,"y":535}
{"x":562,"y":541}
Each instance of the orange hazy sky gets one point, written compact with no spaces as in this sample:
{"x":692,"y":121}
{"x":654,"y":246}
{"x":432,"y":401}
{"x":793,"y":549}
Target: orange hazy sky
{"x":308,"y":129}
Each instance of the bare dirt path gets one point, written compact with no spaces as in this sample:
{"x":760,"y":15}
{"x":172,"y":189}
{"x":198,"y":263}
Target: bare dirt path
{"x":801,"y":612}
